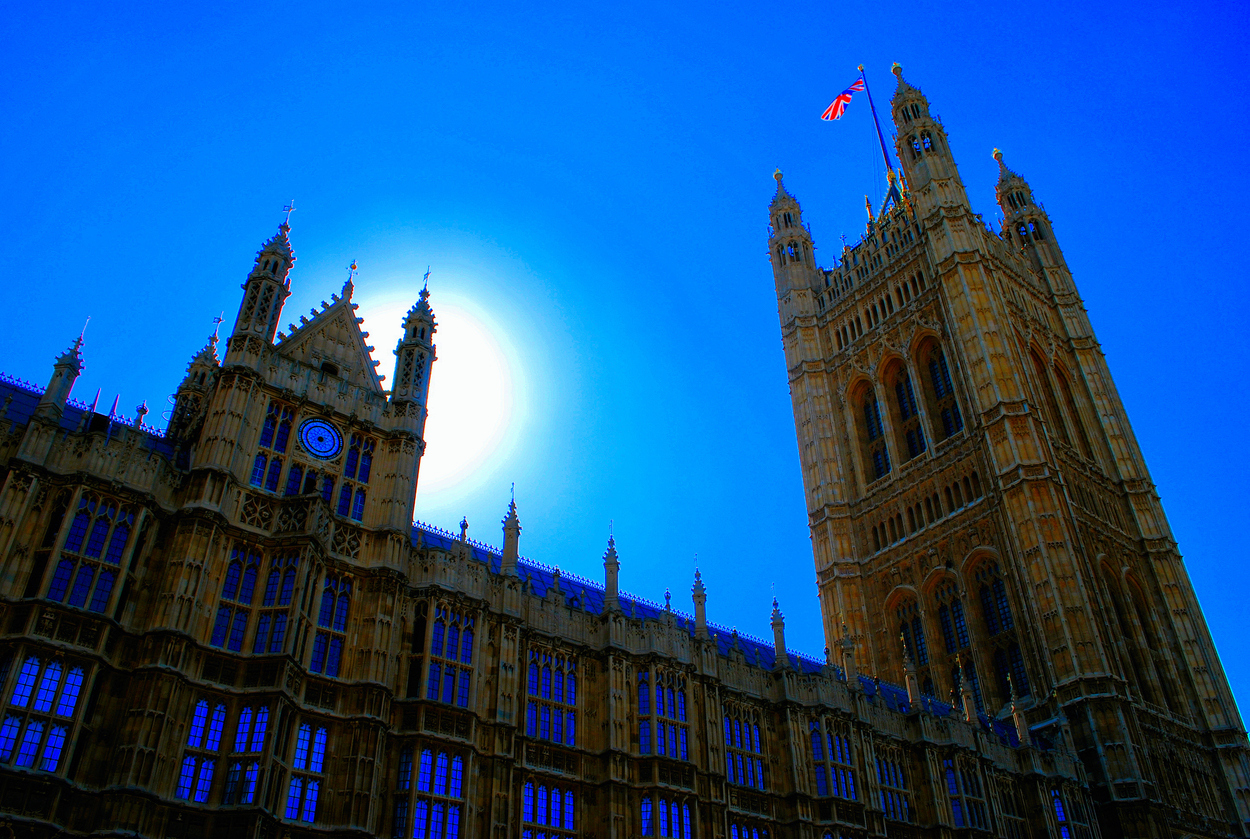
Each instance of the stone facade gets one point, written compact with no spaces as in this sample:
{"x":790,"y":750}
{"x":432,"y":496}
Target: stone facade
{"x":235,"y":628}
{"x":977,"y":499}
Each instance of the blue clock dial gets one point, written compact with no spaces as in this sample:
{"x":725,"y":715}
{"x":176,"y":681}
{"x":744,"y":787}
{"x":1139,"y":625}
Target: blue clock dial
{"x":320,"y":439}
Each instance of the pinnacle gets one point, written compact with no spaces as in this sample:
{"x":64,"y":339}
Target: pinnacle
{"x":783,"y":195}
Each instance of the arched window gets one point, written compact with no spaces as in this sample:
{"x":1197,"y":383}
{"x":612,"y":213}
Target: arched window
{"x":1047,"y":394}
{"x":939,"y":391}
{"x":552,"y":713}
{"x":876,"y":453}
{"x":1074,"y":413}
{"x":926,"y":140}
{"x":906,"y":412}
{"x":92,"y":567}
{"x":331,"y":637}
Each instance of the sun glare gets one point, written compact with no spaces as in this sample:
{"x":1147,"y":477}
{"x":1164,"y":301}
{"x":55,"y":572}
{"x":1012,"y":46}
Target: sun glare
{"x":473,"y":394}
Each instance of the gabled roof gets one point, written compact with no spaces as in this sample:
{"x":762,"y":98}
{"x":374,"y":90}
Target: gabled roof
{"x":333,"y":335}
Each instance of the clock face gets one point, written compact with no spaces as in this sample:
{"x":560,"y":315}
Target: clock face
{"x":320,"y":438}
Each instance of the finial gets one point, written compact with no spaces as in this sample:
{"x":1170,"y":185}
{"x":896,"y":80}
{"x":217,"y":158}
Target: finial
{"x":425,"y":282}
{"x":513,"y":491}
{"x":998,"y":155}
{"x":217,"y":321}
{"x":288,"y":209}
{"x":897,"y":70}
{"x":868,"y":207}
{"x":668,"y":597}
{"x":351,"y":271}
{"x":860,"y":68}
{"x":777,"y":176}
{"x":83,"y":334}
{"x":464,"y":528}
{"x":140,"y":413}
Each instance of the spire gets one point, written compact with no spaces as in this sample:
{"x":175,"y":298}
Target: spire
{"x":611,"y":575}
{"x":414,"y":354}
{"x":781,"y":658}
{"x":699,"y":595}
{"x":782,"y":197}
{"x":65,"y":371}
{"x":267,"y":287}
{"x":1011,"y":191}
{"x":511,"y":541}
{"x":790,"y":244}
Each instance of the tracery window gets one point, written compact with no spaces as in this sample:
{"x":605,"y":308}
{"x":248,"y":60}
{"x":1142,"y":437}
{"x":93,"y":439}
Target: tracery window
{"x":662,"y":815}
{"x":547,"y":811}
{"x":744,"y":763}
{"x":911,"y":629}
{"x":356,"y":468}
{"x":1074,"y":413}
{"x":1052,"y":412}
{"x":1072,"y":820}
{"x":662,"y":727}
{"x":92,"y":554}
{"x":275,"y":605}
{"x":834,"y":763}
{"x":39,"y":714}
{"x":275,"y":436}
{"x":951,"y":618}
{"x":195,"y":778}
{"x":308,"y":766}
{"x":876,"y":453}
{"x":331,"y":637}
{"x":1013,"y":812}
{"x":963,"y":786}
{"x":237,"y":592}
{"x":945,"y":406}
{"x":909,"y":430}
{"x":451,"y":657}
{"x":1007,"y":658}
{"x":895,"y":798}
{"x":244,"y":775}
{"x":550,"y":712}
{"x":438,"y":807}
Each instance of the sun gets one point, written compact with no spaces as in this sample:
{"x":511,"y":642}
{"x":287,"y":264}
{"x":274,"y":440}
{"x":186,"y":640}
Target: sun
{"x":473,"y":399}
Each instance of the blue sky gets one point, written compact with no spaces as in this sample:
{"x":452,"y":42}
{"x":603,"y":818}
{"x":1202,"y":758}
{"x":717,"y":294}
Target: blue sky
{"x":589,"y":185}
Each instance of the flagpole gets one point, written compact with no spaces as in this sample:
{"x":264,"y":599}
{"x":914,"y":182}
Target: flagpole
{"x":880,"y":137}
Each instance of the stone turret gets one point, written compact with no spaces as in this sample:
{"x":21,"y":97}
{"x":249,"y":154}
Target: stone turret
{"x":611,"y":576}
{"x":511,"y":541}
{"x":699,"y":595}
{"x":779,"y":638}
{"x":65,"y":371}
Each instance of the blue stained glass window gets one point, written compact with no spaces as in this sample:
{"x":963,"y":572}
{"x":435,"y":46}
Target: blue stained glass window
{"x":340,"y":613}
{"x":117,"y":544}
{"x":82,"y":585}
{"x":922,"y":649}
{"x":345,"y":500}
{"x":822,"y":784}
{"x":47,"y":687}
{"x":961,"y":626}
{"x":466,"y":654}
{"x":419,"y":823}
{"x":221,"y":626}
{"x":318,"y":662}
{"x":571,"y":689}
{"x":69,"y":693}
{"x":647,"y":826}
{"x":230,"y":587}
{"x":531,"y":720}
{"x":425,"y":779}
{"x":248,"y":588}
{"x":60,"y":580}
{"x":288,"y":585}
{"x":95,"y":543}
{"x":436,"y":642}
{"x":310,"y":802}
{"x":199,"y":719}
{"x":570,"y":729}
{"x":449,"y":684}
{"x":457,"y":776}
{"x":685,"y":751}
{"x":25,"y":682}
{"x":644,"y":699}
{"x":334,"y":656}
{"x":275,"y":472}
{"x":294,"y":794}
{"x":243,"y":729}
{"x":366,"y":463}
{"x":258,"y":730}
{"x":262,"y":633}
{"x":317,"y":761}
{"x":327,"y":488}
{"x":8,"y":735}
{"x":271,"y":424}
{"x":533,"y":678}
{"x":103,"y":588}
{"x":204,"y":782}
{"x":353,"y":458}
{"x":284,"y":431}
{"x":215,"y":726}
{"x":527,"y":802}
{"x":558,"y":687}
{"x":462,"y":696}
{"x":404,"y":780}
{"x":659,"y":700}
{"x":326,"y":614}
{"x":78,"y":530}
{"x":453,"y":822}
{"x":948,"y":634}
{"x":186,"y":777}
{"x":30,"y":743}
{"x":303,"y":741}
{"x":358,"y":508}
{"x":644,"y":737}
{"x":237,"y":628}
{"x":258,"y":469}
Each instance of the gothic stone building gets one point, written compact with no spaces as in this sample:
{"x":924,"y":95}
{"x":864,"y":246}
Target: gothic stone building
{"x":234,"y":627}
{"x":978,"y":501}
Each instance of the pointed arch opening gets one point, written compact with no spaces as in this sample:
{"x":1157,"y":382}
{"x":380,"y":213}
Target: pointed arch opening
{"x":941,"y":403}
{"x":871,"y":428}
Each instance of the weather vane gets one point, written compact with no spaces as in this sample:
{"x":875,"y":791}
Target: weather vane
{"x":288,"y":209}
{"x":217,"y":324}
{"x":426,"y":282}
{"x":351,"y":271}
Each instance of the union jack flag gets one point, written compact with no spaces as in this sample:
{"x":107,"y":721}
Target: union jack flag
{"x":836,"y":110}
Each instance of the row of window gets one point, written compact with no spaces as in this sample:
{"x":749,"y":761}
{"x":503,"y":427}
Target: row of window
{"x":39,"y":713}
{"x":550,"y":713}
{"x":926,"y":512}
{"x":440,"y":788}
{"x":903,"y":411}
{"x":92,"y":554}
{"x":667,"y":715}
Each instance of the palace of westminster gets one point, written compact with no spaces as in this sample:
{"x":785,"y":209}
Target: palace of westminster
{"x":233,"y":627}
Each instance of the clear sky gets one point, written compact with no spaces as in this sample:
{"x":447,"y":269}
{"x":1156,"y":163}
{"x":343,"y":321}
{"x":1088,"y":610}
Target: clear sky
{"x":590,"y":186}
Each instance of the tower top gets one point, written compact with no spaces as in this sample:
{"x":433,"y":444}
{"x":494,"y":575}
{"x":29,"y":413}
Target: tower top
{"x":783,"y":197}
